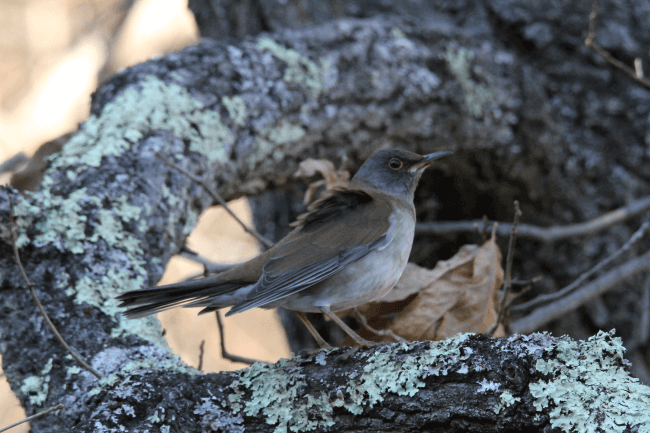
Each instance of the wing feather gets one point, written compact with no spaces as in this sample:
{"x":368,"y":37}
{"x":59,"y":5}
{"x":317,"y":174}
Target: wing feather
{"x":337,"y":230}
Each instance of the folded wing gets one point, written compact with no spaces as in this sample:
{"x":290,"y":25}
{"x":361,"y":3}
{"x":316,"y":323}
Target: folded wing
{"x":337,"y":230}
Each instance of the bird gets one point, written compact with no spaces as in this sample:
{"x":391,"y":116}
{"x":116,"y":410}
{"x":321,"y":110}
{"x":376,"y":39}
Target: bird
{"x":349,"y":248}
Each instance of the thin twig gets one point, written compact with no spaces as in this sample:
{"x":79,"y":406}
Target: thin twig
{"x":644,"y":323}
{"x":13,"y":163}
{"x":29,"y":418}
{"x":224,"y":353}
{"x":543,"y":234}
{"x":508,"y":281}
{"x":529,"y":282}
{"x":544,"y":299}
{"x":267,"y":243}
{"x":30,"y":286}
{"x":381,"y":332}
{"x":210,"y":266}
{"x":554,"y":310}
{"x":636,"y":73}
{"x":201,"y":352}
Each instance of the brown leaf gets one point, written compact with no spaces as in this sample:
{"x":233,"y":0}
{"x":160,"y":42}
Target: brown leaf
{"x":332,"y":177}
{"x":458,"y":296}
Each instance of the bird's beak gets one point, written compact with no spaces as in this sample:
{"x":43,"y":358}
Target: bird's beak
{"x":428,"y":160}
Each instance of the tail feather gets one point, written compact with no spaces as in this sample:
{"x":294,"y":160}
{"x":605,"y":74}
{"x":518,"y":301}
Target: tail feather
{"x":201,"y":292}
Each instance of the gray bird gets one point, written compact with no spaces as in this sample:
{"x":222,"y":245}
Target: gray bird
{"x":350,"y":248}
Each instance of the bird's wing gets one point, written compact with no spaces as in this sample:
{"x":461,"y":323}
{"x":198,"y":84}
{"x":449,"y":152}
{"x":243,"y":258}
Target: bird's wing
{"x":337,"y":230}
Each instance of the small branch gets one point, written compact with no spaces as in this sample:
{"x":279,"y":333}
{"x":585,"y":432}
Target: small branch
{"x":543,"y":234}
{"x":383,"y":333}
{"x":635,"y":73}
{"x":557,"y":309}
{"x":210,"y":266}
{"x":544,"y":299}
{"x":224,"y":353}
{"x":29,"y":418}
{"x":508,"y":282}
{"x":201,"y":353}
{"x":215,"y":196}
{"x":13,"y":163}
{"x":644,"y":324}
{"x":30,"y":286}
{"x":530,"y":282}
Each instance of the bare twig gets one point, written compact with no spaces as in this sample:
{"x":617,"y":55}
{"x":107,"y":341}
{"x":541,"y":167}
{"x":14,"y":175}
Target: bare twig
{"x":381,"y":332}
{"x":267,"y":243}
{"x":224,"y":353}
{"x":481,"y":231}
{"x":29,"y":418}
{"x":30,"y":286}
{"x":508,"y":281}
{"x":554,"y":310}
{"x":598,"y":312}
{"x":644,"y":324}
{"x":210,"y":266}
{"x":201,"y":353}
{"x":543,"y":234}
{"x":532,"y":281}
{"x":544,"y":299}
{"x":636,"y":73}
{"x":13,"y":163}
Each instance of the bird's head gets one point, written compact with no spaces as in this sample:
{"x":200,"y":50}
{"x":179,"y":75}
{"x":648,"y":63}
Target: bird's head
{"x":395,"y":171}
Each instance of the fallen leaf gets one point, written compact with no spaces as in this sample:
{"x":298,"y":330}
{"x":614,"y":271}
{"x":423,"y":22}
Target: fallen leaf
{"x":460,"y":296}
{"x":332,"y":178}
{"x":457,"y":295}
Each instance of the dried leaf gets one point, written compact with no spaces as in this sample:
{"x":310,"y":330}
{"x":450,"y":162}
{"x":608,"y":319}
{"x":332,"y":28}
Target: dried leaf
{"x":459,"y":295}
{"x":332,"y":177}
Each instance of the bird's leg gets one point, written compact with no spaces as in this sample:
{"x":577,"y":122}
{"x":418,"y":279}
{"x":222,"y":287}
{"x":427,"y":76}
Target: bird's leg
{"x":314,"y":333}
{"x":356,"y":337}
{"x":381,"y":332}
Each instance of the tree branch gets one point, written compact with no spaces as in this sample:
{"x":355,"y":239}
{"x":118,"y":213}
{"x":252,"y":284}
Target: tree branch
{"x":543,"y":315}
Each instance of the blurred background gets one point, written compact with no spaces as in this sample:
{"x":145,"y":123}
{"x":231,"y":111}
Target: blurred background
{"x":53,"y":55}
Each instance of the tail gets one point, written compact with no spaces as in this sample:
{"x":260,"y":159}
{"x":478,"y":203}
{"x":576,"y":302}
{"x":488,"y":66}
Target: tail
{"x":203,"y":292}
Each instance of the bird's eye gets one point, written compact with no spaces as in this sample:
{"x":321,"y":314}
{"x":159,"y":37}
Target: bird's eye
{"x":395,"y":164}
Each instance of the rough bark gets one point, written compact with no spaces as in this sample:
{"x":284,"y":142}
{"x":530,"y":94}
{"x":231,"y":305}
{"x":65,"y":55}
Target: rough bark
{"x":110,"y":213}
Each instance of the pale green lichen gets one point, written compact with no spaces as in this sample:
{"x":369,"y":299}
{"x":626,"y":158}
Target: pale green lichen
{"x":103,"y":293}
{"x":300,"y":69}
{"x":476,"y":95}
{"x":272,"y":137}
{"x":61,"y":222}
{"x":73,"y":370}
{"x":507,"y":400}
{"x":275,"y":389}
{"x":383,"y":373}
{"x":236,"y":109}
{"x":37,"y":387}
{"x":275,"y":395}
{"x":588,"y":390}
{"x":397,"y":33}
{"x":172,"y":363}
{"x":153,"y":106}
{"x":155,"y":418}
{"x":24,"y":214}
